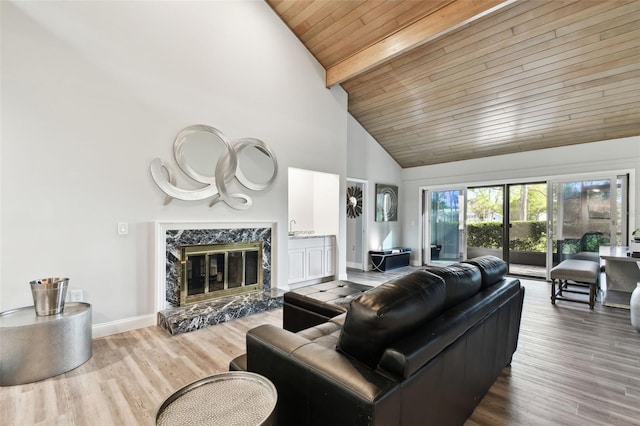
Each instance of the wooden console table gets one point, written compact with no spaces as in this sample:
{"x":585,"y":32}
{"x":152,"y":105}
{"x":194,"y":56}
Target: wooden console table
{"x":35,"y":347}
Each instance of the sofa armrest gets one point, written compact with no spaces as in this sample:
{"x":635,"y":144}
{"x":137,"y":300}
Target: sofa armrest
{"x":310,"y":377}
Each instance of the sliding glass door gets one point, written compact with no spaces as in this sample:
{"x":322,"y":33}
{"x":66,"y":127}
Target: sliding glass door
{"x":532,"y":226}
{"x":585,"y":215}
{"x":445,"y":230}
{"x":485,"y":221}
{"x":527,"y":230}
{"x":522,"y":243}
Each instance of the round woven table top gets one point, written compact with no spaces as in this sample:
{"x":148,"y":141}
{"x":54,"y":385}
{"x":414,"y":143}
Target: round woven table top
{"x":232,"y":398}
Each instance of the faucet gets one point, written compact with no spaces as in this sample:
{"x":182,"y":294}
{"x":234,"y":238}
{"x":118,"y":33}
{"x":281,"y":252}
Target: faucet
{"x":291,"y":222}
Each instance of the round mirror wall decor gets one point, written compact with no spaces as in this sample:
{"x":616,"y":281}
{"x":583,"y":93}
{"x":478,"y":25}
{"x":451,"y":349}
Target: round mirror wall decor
{"x":205,"y":155}
{"x":354,"y":201}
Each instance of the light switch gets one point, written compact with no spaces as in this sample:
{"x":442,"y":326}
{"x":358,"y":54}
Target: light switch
{"x":123,"y":228}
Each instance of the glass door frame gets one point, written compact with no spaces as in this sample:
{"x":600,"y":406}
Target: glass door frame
{"x":504,"y":211}
{"x":425,"y":223}
{"x":503,"y":204}
{"x":527,"y":255}
{"x":619,"y":219}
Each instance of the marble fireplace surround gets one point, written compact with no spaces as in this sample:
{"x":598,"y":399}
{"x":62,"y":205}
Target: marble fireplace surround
{"x":169,"y":236}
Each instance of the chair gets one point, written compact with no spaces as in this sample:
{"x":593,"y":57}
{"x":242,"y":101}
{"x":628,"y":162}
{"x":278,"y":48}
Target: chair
{"x":589,"y":246}
{"x":581,"y":273}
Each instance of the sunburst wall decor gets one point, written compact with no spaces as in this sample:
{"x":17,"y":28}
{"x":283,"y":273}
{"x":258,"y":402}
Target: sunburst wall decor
{"x":354,"y":201}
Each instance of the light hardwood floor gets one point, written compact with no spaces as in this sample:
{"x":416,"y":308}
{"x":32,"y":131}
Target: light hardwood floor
{"x":572,"y":367}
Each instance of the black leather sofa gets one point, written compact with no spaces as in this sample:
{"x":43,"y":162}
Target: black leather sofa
{"x":420,"y":350}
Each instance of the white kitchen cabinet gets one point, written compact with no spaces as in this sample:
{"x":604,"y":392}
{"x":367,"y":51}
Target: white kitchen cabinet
{"x":330,"y":260}
{"x":311,"y":258}
{"x":315,"y":262}
{"x":296,"y":265}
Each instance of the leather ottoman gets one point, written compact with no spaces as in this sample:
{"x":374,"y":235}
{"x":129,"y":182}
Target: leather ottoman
{"x":315,"y":304}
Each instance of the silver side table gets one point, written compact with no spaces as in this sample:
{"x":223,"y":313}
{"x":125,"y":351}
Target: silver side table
{"x":238,"y":398}
{"x":35,"y":347}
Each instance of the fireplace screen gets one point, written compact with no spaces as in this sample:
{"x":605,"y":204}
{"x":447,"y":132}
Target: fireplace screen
{"x":216,"y":270}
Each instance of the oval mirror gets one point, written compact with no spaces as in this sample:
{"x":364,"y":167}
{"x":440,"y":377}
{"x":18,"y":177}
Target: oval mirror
{"x":386,"y":204}
{"x":257,"y":164}
{"x":201,"y":151}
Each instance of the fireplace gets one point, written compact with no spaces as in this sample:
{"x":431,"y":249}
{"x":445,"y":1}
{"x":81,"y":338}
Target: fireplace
{"x":247,"y":290}
{"x":218,"y":270}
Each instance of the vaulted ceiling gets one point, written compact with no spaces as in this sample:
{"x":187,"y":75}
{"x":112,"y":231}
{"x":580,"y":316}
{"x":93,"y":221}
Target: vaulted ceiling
{"x":435,"y":81}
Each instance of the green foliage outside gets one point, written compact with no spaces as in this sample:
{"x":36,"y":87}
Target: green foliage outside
{"x":528,"y":236}
{"x":586,"y":243}
{"x":484,"y":234}
{"x":525,"y":235}
{"x":527,"y":216}
{"x":526,"y":202}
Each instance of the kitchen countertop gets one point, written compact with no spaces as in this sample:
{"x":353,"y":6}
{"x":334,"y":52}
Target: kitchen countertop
{"x":303,"y":236}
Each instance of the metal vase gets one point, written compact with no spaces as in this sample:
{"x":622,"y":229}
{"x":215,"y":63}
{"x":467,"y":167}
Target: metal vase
{"x":634,"y":305}
{"x":49,"y":295}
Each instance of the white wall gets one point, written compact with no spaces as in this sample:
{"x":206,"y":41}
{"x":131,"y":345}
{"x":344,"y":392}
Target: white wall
{"x":93,"y":91}
{"x":326,"y":187}
{"x":619,"y":155}
{"x":301,"y":200}
{"x":367,"y":160}
{"x":314,"y":202}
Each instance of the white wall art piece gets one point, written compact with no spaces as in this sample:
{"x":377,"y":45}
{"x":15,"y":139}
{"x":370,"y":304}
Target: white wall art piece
{"x":197,"y":148}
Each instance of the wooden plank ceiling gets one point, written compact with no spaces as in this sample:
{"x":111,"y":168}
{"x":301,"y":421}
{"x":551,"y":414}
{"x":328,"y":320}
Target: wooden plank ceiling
{"x":435,"y":81}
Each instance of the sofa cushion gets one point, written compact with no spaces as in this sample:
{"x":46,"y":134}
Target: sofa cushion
{"x":492,"y":268}
{"x":462,"y":281}
{"x":383,"y":314}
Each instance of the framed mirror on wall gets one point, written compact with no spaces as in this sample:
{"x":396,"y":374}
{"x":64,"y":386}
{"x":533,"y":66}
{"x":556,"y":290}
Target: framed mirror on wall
{"x":386,"y":203}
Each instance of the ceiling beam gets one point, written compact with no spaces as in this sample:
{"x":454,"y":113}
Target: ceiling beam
{"x":442,"y":21}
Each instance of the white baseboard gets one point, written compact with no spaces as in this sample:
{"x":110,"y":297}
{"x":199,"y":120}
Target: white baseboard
{"x":354,"y":265}
{"x":120,"y":326}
